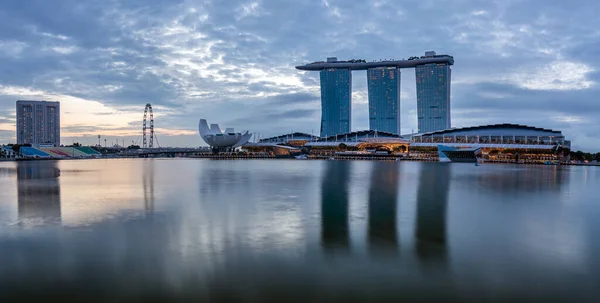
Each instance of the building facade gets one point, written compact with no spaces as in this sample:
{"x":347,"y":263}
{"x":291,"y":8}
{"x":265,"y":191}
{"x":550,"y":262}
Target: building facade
{"x":497,"y":142}
{"x":38,"y":123}
{"x":433,"y":92}
{"x":384,"y":99}
{"x":433,"y":97}
{"x":222,"y":141}
{"x":336,"y":101}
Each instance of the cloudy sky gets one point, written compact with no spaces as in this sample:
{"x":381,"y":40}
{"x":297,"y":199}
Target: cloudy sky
{"x":232,"y":62}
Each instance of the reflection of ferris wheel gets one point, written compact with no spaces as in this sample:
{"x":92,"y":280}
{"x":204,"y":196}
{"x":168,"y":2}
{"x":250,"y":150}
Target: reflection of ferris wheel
{"x":146,"y":143}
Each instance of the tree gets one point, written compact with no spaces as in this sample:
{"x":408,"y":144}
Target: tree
{"x":400,"y":148}
{"x":578,"y":155}
{"x":17,"y":147}
{"x":342,"y":146}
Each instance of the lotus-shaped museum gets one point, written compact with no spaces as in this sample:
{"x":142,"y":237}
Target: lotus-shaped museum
{"x":216,"y":138}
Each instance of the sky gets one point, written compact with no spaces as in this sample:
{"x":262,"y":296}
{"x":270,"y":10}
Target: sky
{"x":232,"y":62}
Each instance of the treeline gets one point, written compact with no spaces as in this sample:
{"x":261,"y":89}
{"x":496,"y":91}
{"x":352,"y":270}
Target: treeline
{"x":581,"y":156}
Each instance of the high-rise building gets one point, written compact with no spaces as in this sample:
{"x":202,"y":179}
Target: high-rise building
{"x":336,"y":101}
{"x":433,"y":92}
{"x":38,"y":122}
{"x":384,"y":99}
{"x":433,"y":97}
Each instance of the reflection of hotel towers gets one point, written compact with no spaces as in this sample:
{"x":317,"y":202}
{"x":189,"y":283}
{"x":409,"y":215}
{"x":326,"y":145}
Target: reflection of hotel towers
{"x":148,"y":181}
{"x":334,"y":205}
{"x":432,"y":198}
{"x":38,"y":190}
{"x":383,"y":194}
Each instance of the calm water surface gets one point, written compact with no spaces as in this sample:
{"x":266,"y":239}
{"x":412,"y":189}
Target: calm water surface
{"x":307,"y":231}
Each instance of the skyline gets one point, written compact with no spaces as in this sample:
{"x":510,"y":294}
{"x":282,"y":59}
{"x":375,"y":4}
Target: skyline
{"x":526,"y":62}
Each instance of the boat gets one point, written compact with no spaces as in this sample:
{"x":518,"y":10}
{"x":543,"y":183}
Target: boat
{"x":302,"y":157}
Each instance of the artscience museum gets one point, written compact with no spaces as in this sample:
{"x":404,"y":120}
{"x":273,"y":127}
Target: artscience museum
{"x":222,"y":141}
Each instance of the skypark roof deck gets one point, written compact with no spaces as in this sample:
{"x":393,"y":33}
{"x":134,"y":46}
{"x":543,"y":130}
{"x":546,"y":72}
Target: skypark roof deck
{"x":362,"y":65}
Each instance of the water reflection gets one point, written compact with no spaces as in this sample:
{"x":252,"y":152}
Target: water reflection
{"x":515,"y":180}
{"x":334,"y":205}
{"x":148,"y":183}
{"x":432,"y":200}
{"x":249,"y":233}
{"x":38,"y":190}
{"x":383,"y":195}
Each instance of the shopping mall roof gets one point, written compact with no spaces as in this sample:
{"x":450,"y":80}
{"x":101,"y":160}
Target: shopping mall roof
{"x":359,"y":135}
{"x":265,"y":144}
{"x":495,"y":130}
{"x":290,"y":136}
{"x":485,"y":145}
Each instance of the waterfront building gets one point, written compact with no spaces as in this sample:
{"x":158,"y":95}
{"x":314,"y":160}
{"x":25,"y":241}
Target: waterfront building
{"x":433,"y":97}
{"x":453,"y":154}
{"x":38,"y":123}
{"x":368,"y":141}
{"x":384,"y":99}
{"x":222,"y":141}
{"x":291,"y":139}
{"x":336,"y":101}
{"x":497,"y":142}
{"x":433,"y":92}
{"x":6,"y":152}
{"x":493,"y":143}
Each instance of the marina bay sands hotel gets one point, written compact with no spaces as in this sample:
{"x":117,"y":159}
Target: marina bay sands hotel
{"x":383,"y":78}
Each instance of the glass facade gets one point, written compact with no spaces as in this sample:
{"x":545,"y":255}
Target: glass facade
{"x":38,"y":122}
{"x":433,"y":97}
{"x":384,"y":99}
{"x":336,"y":101}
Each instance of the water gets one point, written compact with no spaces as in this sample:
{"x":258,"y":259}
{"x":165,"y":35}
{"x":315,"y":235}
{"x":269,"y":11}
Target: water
{"x":306,"y":231}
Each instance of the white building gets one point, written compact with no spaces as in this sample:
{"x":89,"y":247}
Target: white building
{"x":219,"y":140}
{"x":6,"y":152}
{"x":38,"y":123}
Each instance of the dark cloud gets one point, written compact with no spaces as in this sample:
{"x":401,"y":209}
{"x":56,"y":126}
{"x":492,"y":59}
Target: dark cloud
{"x":7,"y":120}
{"x":273,"y":118}
{"x":92,"y":128}
{"x":7,"y":135}
{"x":292,"y":99}
{"x":496,"y":96}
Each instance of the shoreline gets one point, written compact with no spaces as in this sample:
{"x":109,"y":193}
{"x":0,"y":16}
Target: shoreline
{"x":269,"y":157}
